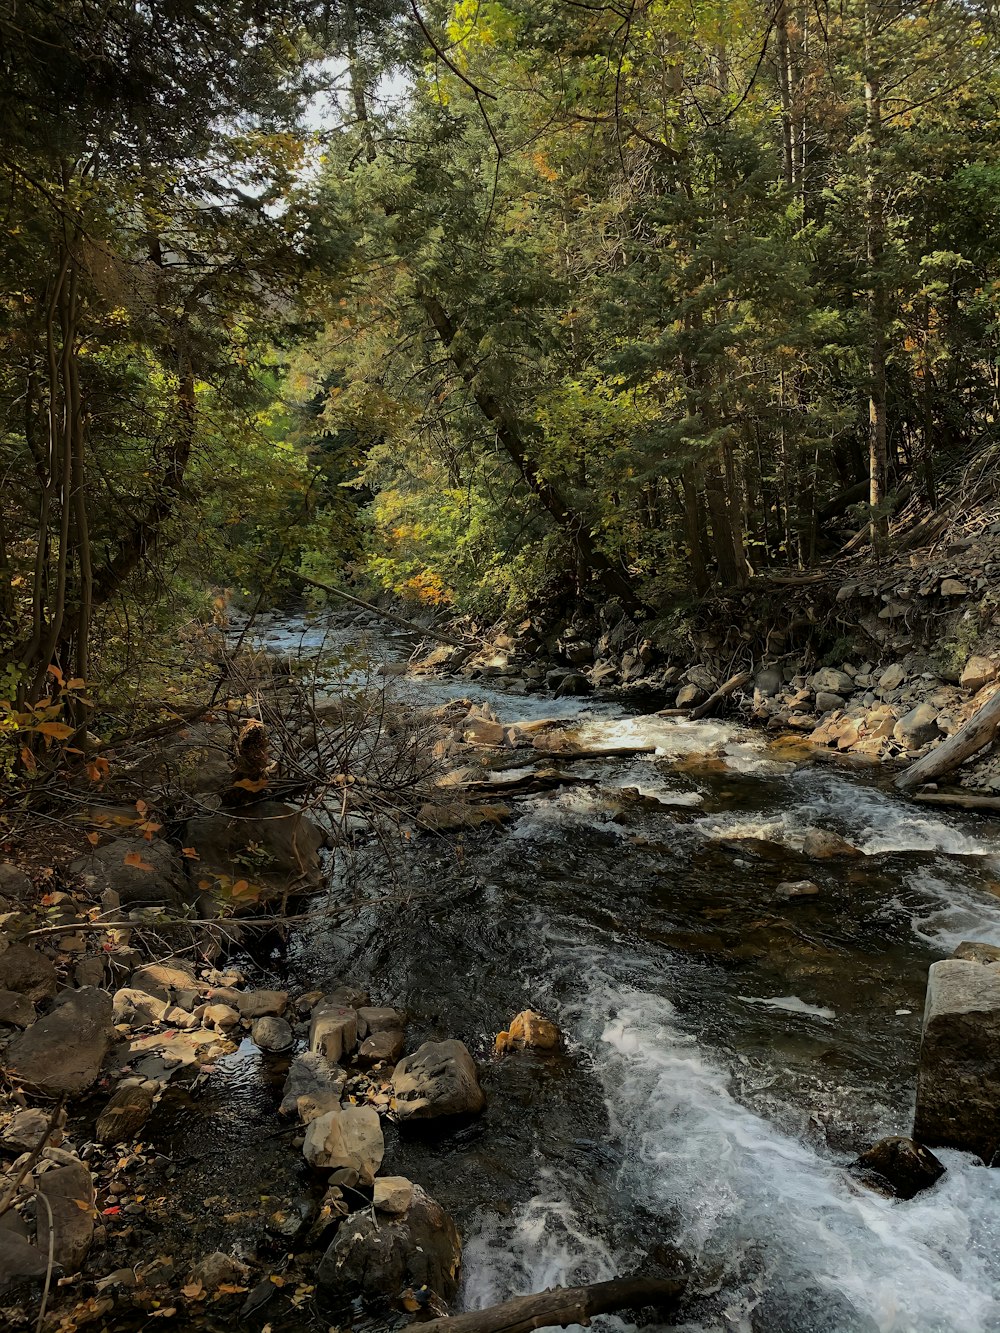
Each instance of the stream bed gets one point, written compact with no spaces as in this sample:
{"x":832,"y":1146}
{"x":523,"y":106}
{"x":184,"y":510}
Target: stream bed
{"x":728,"y":1051}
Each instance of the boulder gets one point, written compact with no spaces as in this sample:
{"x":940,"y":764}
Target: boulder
{"x":572,"y":684}
{"x":125,"y":1114}
{"x":832,"y":681}
{"x":378,"y":1019}
{"x":439,"y":1079}
{"x":62,"y":1053}
{"x":958,"y":1079}
{"x":975,"y":951}
{"x":26,"y":970}
{"x":800,"y":888}
{"x":272,"y":1034}
{"x":282,"y":843}
{"x":16,"y":1010}
{"x":137,"y":1008}
{"x":382,"y":1047}
{"x":899,"y":1166}
{"x":481,"y":731}
{"x":529,"y":1029}
{"x":142,"y":873}
{"x":69,"y":1191}
{"x":333,"y":1031}
{"x":978,"y":671}
{"x":918,"y":727}
{"x":820,"y":844}
{"x":826,"y":701}
{"x":20,"y":1261}
{"x":350,"y":1138}
{"x":892,"y":677}
{"x":690,"y":696}
{"x":259,"y":1003}
{"x":27,"y":1130}
{"x":311,"y":1075}
{"x":14,"y":883}
{"x":378,"y":1258}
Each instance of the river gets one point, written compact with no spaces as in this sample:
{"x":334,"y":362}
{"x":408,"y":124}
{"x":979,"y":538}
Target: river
{"x":728,"y":1051}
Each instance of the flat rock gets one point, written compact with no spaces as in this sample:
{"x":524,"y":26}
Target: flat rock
{"x":439,"y":1079}
{"x":20,"y":1261}
{"x":976,"y":951}
{"x":63,"y":1051}
{"x":350,"y":1138}
{"x":166,"y":980}
{"x":136,"y":1008}
{"x":258,"y":1003}
{"x":953,"y":588}
{"x":958,"y":1079}
{"x":372,"y":1018}
{"x":26,"y":970}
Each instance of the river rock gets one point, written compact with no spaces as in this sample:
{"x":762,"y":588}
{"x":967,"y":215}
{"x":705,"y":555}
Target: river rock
{"x":261,"y":1003}
{"x":26,"y":970}
{"x":903,"y":1165}
{"x":125,"y":1114}
{"x":799,"y":888}
{"x":63,"y":1052}
{"x":958,"y":1080}
{"x":382,"y":1047}
{"x":372,"y":1018}
{"x":217,"y":1269}
{"x":953,"y":588}
{"x":690,"y":696}
{"x":14,"y":883}
{"x":16,"y":1010}
{"x":350,"y":1138}
{"x":918,"y":727}
{"x":975,"y":951}
{"x":529,"y":1030}
{"x":222,"y":1017}
{"x":573,"y":684}
{"x":70,"y":1194}
{"x":483,"y":731}
{"x":20,"y":1261}
{"x":892,"y":677}
{"x":392,"y":1195}
{"x":820,"y":844}
{"x":174,"y":981}
{"x":333,"y":1031}
{"x":27,"y":1130}
{"x":272,"y":1034}
{"x":832,"y":681}
{"x":379,"y":1257}
{"x":827,"y":701}
{"x":136,"y":1008}
{"x":311,"y":1075}
{"x":284,"y":840}
{"x":438,"y":1079}
{"x":157,"y":879}
{"x":978,"y":671}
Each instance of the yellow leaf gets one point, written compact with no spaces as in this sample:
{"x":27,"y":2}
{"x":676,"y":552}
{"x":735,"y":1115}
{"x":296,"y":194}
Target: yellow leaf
{"x":251,"y":784}
{"x":190,"y":852}
{"x":58,"y":731}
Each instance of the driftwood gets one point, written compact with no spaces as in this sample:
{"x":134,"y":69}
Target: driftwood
{"x":960,"y":800}
{"x":968,"y":740}
{"x":562,"y":1306}
{"x":411,"y":625}
{"x":540,"y":780}
{"x":610,"y":752}
{"x":723,"y":692}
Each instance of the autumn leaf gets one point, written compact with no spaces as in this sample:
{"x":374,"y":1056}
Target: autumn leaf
{"x":191,"y":853}
{"x":251,"y":784}
{"x":57,"y":731}
{"x":93,"y":839}
{"x":193,"y":1291}
{"x":54,"y":671}
{"x":135,"y":859}
{"x":241,"y":886}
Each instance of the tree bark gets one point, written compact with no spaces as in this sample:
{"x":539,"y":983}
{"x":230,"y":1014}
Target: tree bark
{"x":562,"y":1306}
{"x":877,"y":311}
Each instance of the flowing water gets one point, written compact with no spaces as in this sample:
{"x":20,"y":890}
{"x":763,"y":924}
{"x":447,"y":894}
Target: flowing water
{"x":728,"y":1050}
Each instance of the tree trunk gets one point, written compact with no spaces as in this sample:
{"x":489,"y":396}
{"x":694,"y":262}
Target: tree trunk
{"x":562,"y":1306}
{"x":877,"y":311}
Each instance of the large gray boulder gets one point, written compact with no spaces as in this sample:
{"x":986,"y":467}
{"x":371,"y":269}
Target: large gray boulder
{"x":918,"y":727}
{"x":831,"y":680}
{"x":62,"y":1053}
{"x":311,"y":1076}
{"x":273,"y":845}
{"x":438,"y":1079}
{"x":958,"y":1081}
{"x":377,"y":1256}
{"x":142,"y":873}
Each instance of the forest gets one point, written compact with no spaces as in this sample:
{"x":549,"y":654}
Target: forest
{"x":421,"y":423}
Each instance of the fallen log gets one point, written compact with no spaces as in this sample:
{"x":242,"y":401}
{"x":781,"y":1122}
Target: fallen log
{"x":968,"y":740}
{"x":561,"y":1306}
{"x":959,"y":800}
{"x":403,"y":623}
{"x":594,"y":752}
{"x":723,"y":692}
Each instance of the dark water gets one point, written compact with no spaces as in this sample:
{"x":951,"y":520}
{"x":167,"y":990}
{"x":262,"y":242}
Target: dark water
{"x":728,"y":1050}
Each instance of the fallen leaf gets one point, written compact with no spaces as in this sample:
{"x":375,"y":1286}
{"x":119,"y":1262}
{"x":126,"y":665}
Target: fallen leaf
{"x":135,"y":859}
{"x":93,"y":839}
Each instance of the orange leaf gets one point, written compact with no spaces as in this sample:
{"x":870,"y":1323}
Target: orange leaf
{"x":93,"y":839}
{"x":54,"y":671}
{"x":135,"y":859}
{"x":190,"y":852}
{"x":58,"y":731}
{"x":141,"y":806}
{"x":28,"y":760}
{"x":241,"y":886}
{"x":251,"y":784}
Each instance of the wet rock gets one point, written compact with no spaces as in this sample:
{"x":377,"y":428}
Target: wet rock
{"x":572,"y":685}
{"x":800,"y":888}
{"x":14,"y":883}
{"x":310,"y":1075}
{"x":903,"y":1166}
{"x":20,"y":1261}
{"x":125,"y":1114}
{"x":482,"y":731}
{"x":349,"y":1138}
{"x":378,"y":1019}
{"x":918,"y":727}
{"x":261,"y":1003}
{"x":27,"y":1130}
{"x":136,"y":1008}
{"x":284,"y":841}
{"x":156,"y":879}
{"x":978,"y":671}
{"x":975,"y":951}
{"x":63,"y":1052}
{"x":831,"y":680}
{"x":892,"y":677}
{"x":333,"y":1031}
{"x":217,"y":1269}
{"x":439,"y":1079}
{"x":690,"y":696}
{"x":290,"y":1222}
{"x":958,"y":1080}
{"x":272,"y":1034}
{"x":529,"y":1030}
{"x":382,"y":1047}
{"x":26,"y":970}
{"x":820,"y":844}
{"x":70,"y":1194}
{"x":377,"y":1258}
{"x":16,"y":1010}
{"x":222,"y":1017}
